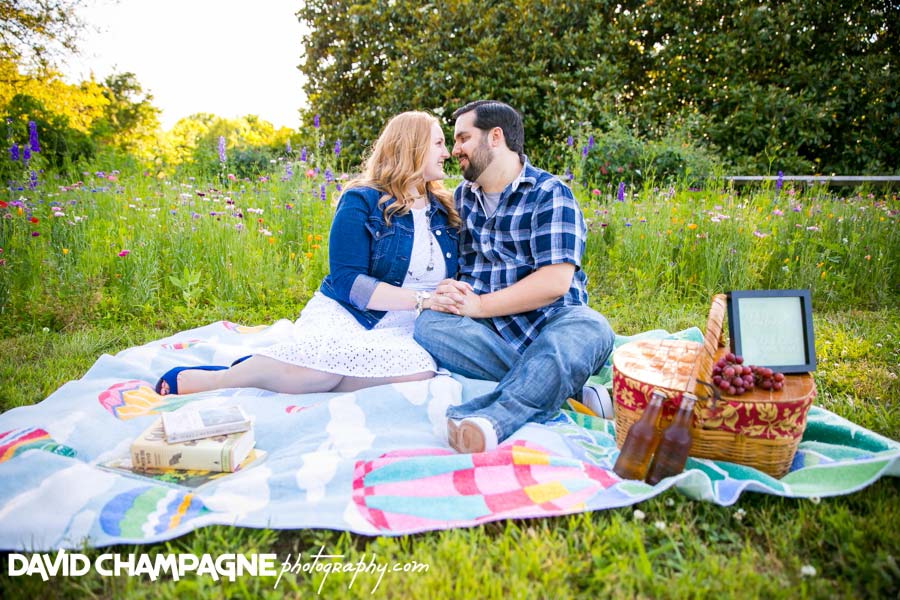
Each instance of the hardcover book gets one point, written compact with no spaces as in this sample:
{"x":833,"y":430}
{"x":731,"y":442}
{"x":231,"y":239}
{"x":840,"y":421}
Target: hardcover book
{"x":193,"y":424}
{"x":150,"y":450}
{"x":191,"y":478}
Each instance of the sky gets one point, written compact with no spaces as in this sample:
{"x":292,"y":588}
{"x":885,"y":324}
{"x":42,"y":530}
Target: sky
{"x":226,"y":57}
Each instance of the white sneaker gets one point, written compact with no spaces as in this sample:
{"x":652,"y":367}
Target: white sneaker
{"x":597,"y":399}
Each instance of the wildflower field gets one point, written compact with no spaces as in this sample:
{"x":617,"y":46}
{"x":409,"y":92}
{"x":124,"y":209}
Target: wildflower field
{"x":95,"y":261}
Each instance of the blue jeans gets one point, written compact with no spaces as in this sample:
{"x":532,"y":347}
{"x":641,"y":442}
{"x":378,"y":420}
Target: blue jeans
{"x":573,"y":344}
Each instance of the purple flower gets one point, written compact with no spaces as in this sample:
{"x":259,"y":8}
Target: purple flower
{"x":26,"y":154}
{"x":303,"y":154}
{"x":337,"y":148}
{"x":568,"y":176}
{"x":221,"y":148}
{"x":779,"y":181}
{"x":316,"y":121}
{"x":620,"y":193}
{"x":32,"y":180}
{"x":584,"y":151}
{"x":322,"y":195}
{"x":570,"y":142}
{"x":590,"y":142}
{"x":287,"y":147}
{"x":14,"y":152}
{"x":329,"y":176}
{"x":33,"y":137}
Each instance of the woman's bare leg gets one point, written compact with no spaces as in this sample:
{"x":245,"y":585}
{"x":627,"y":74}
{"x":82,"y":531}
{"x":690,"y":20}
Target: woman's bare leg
{"x":352,"y":384}
{"x":259,"y":372}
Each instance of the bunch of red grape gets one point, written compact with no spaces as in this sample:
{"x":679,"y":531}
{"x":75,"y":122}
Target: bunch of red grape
{"x":733,"y":377}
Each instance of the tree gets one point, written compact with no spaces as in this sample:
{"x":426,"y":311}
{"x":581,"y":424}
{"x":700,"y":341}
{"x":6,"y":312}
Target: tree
{"x":251,"y":143}
{"x":33,"y":32}
{"x":806,"y":86}
{"x":129,"y":122}
{"x":365,"y":61}
{"x":792,"y":85}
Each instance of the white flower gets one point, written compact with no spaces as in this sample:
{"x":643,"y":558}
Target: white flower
{"x":661,"y":525}
{"x":808,"y":571}
{"x":739,"y":514}
{"x":815,"y":499}
{"x":670,"y":502}
{"x":639,"y":515}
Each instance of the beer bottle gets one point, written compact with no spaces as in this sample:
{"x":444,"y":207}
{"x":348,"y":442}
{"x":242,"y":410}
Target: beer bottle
{"x":641,"y":441}
{"x":675,"y":444}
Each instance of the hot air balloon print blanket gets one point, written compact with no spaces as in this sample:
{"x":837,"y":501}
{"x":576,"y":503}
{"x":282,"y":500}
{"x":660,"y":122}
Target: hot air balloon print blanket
{"x":374,"y":462}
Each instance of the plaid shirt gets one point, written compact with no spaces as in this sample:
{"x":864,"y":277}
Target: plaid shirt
{"x":537,"y":223}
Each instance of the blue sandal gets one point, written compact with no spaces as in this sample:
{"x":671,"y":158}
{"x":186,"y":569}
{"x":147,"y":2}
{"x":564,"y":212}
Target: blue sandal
{"x":171,"y":377}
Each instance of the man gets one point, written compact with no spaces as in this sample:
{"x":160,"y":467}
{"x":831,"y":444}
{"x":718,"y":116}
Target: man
{"x":518,"y":315}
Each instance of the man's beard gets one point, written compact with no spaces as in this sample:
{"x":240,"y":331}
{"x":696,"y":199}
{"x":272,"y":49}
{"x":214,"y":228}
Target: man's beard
{"x":478,"y":161}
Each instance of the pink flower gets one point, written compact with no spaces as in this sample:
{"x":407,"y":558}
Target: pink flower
{"x":595,"y":192}
{"x":777,"y":212}
{"x":124,"y":252}
{"x":759,"y":233}
{"x":812,"y":228}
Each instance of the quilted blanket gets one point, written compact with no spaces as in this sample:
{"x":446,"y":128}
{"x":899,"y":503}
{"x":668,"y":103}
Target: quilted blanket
{"x":374,"y":462}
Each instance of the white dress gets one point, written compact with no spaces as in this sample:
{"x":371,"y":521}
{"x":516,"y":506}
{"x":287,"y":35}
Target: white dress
{"x":328,"y":338}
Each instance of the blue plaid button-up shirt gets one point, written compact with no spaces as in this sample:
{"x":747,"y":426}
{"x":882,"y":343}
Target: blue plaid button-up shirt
{"x":537,"y":223}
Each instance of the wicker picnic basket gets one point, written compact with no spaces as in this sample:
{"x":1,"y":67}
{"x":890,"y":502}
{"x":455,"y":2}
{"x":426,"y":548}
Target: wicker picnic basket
{"x":761,"y":429}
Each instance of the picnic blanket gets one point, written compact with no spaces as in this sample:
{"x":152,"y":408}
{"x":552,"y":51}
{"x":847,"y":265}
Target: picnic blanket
{"x":375,"y":462}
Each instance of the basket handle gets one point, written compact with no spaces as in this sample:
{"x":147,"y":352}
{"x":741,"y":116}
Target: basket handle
{"x":712,"y":341}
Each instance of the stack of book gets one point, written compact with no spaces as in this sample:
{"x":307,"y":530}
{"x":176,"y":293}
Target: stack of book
{"x":210,"y":439}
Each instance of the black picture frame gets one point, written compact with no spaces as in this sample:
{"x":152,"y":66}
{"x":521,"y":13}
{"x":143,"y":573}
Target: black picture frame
{"x":772,"y":328}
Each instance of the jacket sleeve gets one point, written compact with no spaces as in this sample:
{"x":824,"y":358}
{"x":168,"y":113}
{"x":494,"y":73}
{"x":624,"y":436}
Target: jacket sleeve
{"x":349,"y":249}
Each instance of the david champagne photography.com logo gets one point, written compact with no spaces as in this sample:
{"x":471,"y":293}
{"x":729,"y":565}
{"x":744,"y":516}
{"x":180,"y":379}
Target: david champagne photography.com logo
{"x":220,"y":567}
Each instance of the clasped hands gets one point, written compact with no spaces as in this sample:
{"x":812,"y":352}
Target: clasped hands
{"x":457,"y":298}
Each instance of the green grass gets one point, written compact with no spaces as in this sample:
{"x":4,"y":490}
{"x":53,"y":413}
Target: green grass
{"x":652,"y":262}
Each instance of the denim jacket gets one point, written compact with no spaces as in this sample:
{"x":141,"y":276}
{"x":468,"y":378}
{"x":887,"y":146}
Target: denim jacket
{"x":363,"y":250}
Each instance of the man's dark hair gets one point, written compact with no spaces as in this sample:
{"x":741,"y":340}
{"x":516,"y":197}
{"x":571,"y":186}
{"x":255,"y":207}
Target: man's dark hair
{"x":492,"y":113}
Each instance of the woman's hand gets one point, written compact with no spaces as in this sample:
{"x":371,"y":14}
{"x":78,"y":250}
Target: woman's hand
{"x":449,"y":296}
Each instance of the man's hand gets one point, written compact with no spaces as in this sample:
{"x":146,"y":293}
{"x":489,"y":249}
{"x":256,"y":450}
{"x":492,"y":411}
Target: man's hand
{"x":449,"y":296}
{"x":471,"y":306}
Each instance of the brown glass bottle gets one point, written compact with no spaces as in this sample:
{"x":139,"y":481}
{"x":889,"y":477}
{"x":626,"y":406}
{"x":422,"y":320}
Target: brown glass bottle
{"x":641,"y":441}
{"x":675,"y":443}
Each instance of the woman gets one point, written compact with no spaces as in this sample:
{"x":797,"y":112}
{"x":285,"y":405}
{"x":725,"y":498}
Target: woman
{"x":393,"y":238}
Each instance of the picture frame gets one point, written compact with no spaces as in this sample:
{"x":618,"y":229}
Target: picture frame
{"x":772,"y":328}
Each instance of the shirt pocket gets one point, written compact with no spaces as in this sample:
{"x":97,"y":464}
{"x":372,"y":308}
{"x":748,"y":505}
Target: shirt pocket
{"x":382,"y":236}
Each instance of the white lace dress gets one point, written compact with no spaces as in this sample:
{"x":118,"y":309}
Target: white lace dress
{"x":328,"y":338}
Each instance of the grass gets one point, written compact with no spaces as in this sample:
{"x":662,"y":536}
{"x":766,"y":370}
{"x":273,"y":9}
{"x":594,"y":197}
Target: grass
{"x":653,"y":260}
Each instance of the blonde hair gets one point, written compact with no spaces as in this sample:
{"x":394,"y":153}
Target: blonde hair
{"x":396,"y":164}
